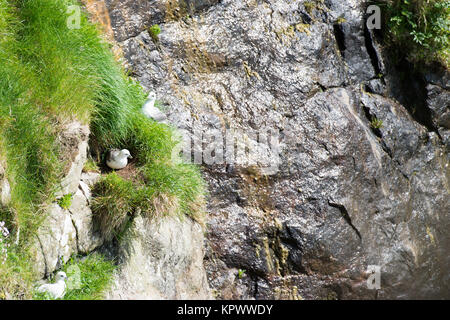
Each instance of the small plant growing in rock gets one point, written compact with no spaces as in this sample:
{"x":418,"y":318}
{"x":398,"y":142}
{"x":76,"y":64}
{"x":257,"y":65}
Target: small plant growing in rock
{"x":4,"y":234}
{"x":154,"y":31}
{"x":241,"y":273}
{"x":376,"y":123}
{"x":65,"y":201}
{"x":309,"y":6}
{"x":303,"y":27}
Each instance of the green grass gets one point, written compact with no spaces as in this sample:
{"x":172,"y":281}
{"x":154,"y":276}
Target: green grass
{"x":418,"y":29}
{"x":65,"y":201}
{"x":88,"y":278}
{"x":51,"y":74}
{"x":96,"y":275}
{"x":16,"y":276}
{"x":376,"y":123}
{"x":163,"y":189}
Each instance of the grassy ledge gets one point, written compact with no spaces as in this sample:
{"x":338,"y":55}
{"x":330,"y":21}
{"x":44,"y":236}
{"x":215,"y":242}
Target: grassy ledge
{"x":50,"y":75}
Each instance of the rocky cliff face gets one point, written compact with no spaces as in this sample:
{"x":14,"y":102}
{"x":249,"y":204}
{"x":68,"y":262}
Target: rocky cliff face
{"x":361,"y":177}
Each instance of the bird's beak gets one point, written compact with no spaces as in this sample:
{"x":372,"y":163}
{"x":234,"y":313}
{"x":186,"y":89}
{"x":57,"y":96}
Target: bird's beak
{"x":130,"y":157}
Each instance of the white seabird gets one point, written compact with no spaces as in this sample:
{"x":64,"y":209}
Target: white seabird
{"x":56,"y":290}
{"x":118,"y":159}
{"x":150,"y":111}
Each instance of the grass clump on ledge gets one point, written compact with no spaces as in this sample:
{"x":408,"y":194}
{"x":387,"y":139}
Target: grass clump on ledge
{"x":162,"y":189}
{"x":418,"y":29}
{"x":88,"y":278}
{"x":96,"y":275}
{"x":91,"y":166}
{"x":376,"y":123}
{"x":113,"y":203}
{"x":65,"y":201}
{"x":51,"y":75}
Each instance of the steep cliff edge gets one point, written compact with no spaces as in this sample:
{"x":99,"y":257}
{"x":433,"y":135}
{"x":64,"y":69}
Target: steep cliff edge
{"x":362,"y":177}
{"x":65,"y":102}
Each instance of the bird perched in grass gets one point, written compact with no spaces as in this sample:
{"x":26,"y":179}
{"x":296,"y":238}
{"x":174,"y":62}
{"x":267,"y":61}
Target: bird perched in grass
{"x":150,"y":111}
{"x":55,"y":290}
{"x":118,"y":159}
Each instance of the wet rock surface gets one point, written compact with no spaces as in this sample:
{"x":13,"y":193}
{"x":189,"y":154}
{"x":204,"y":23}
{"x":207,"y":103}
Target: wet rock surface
{"x":160,"y":259}
{"x":360,"y":178}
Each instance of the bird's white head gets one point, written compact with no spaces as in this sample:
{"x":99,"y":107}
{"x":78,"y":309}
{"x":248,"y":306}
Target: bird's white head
{"x":151,"y":96}
{"x":61,"y":276}
{"x":126,"y":153}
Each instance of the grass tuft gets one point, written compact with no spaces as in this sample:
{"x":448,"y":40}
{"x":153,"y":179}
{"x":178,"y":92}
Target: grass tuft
{"x":91,"y":166}
{"x":65,"y":201}
{"x":112,"y":203}
{"x":154,"y":31}
{"x":88,"y":278}
{"x":376,"y":123}
{"x":96,"y":274}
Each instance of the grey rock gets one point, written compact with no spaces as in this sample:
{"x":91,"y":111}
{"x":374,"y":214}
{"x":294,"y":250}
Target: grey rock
{"x":439,"y":104}
{"x":376,"y":86}
{"x":161,"y":260}
{"x":74,"y":140}
{"x":90,"y":178}
{"x":86,"y":191}
{"x":67,"y":232}
{"x":56,"y":241}
{"x":88,"y":238}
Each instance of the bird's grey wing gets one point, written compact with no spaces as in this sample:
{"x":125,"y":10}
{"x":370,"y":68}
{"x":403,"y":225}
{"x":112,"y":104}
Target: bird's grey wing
{"x":156,"y":114}
{"x":160,"y":116}
{"x":113,"y":155}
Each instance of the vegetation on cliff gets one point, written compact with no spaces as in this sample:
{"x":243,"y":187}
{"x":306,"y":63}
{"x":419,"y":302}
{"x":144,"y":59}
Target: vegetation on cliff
{"x":51,"y":74}
{"x":418,"y":30}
